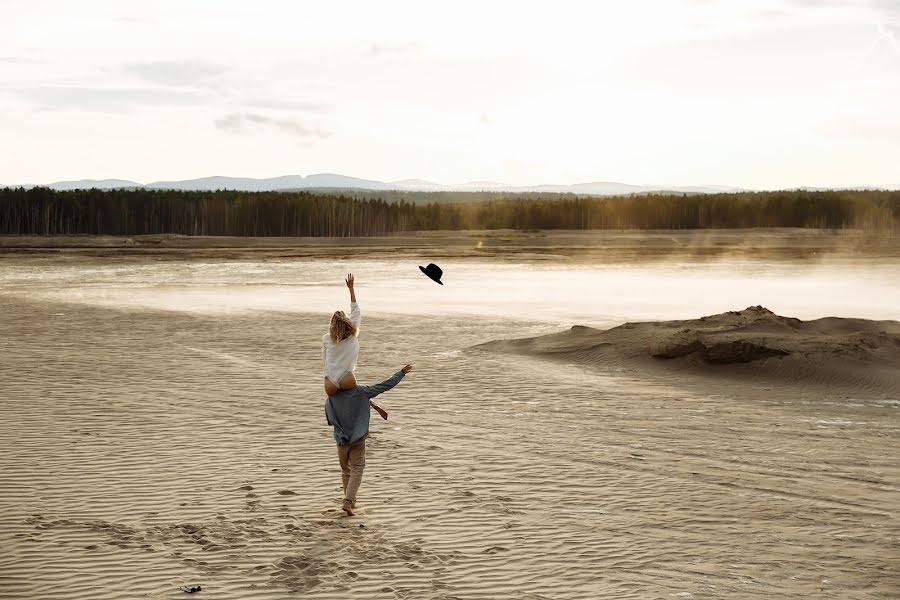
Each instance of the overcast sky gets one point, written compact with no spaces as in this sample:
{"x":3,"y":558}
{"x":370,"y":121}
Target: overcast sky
{"x":759,"y":94}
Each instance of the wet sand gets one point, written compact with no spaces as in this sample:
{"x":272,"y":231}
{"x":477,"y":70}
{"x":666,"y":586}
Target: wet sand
{"x":811,"y":245}
{"x":141,"y":450}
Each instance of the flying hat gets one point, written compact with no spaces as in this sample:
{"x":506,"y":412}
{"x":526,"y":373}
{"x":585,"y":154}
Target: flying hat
{"x":433,"y":271}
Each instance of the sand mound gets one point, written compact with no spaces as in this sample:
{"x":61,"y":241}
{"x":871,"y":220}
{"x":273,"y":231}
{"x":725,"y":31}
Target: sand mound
{"x":859,"y":353}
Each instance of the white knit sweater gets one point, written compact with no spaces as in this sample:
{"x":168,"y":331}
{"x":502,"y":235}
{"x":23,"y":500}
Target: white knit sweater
{"x":341,"y":357}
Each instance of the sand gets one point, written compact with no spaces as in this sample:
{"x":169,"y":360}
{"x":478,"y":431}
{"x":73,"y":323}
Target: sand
{"x":857,"y":356}
{"x":808,"y":245}
{"x":143,"y":450}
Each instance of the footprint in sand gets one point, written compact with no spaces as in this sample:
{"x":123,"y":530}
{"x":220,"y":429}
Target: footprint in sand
{"x":302,"y":572}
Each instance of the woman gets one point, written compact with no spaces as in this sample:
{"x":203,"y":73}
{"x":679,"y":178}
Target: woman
{"x":340,"y":349}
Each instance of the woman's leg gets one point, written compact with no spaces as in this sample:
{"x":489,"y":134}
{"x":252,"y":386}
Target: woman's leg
{"x":330,"y":388}
{"x":348,"y":381}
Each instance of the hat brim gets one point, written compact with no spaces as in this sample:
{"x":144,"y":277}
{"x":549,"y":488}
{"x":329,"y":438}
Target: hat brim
{"x":421,"y":268}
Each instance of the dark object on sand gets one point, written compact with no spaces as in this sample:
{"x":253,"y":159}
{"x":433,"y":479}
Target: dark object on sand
{"x":190,"y":589}
{"x":433,"y":271}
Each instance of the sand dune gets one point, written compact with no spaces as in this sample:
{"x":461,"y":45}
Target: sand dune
{"x":860,"y":355}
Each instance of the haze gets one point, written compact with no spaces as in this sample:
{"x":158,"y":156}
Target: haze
{"x":598,"y":295}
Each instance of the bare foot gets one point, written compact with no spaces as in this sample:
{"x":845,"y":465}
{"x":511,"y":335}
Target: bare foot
{"x":347,"y":508}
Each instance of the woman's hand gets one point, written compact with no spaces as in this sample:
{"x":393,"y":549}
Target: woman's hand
{"x":349,"y":282}
{"x":407,"y":369}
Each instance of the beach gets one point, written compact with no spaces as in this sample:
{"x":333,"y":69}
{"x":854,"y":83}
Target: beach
{"x":163,"y":424}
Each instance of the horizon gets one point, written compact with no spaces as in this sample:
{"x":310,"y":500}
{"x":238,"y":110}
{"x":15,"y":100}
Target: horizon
{"x":409,"y":184}
{"x":764,"y":96}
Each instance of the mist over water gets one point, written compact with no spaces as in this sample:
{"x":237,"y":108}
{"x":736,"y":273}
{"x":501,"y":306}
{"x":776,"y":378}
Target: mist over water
{"x":549,"y":292}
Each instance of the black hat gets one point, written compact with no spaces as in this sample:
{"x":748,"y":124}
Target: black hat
{"x":433,"y":271}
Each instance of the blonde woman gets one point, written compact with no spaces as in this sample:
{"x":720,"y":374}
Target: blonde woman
{"x":340,"y":349}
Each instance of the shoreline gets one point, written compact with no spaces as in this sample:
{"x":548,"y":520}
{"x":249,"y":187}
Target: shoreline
{"x":650,"y":245}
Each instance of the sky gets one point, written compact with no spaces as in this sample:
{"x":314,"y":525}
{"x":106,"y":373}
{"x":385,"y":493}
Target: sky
{"x":758,"y":94}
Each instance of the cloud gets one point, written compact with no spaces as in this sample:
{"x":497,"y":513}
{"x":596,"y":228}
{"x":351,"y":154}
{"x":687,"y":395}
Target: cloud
{"x":885,"y":7}
{"x":890,"y":38}
{"x":208,"y":77}
{"x":19,"y":60}
{"x":883,"y":52}
{"x":378,"y":48}
{"x":771,"y":14}
{"x":878,"y":9}
{"x":137,"y":20}
{"x":883,"y":128}
{"x":891,"y":7}
{"x":241,"y":123}
{"x":175,"y":73}
{"x":103,"y":99}
{"x":280,"y":104}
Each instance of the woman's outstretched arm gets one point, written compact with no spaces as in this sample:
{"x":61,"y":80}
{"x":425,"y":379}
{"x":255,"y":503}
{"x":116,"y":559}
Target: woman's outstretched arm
{"x":355,"y":314}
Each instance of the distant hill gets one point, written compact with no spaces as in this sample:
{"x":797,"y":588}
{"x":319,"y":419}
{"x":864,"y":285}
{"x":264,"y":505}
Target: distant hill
{"x":102,"y":184}
{"x":228,"y":183}
{"x":324,"y":181}
{"x":415,"y":184}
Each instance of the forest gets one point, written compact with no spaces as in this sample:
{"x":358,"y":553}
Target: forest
{"x":42,"y":211}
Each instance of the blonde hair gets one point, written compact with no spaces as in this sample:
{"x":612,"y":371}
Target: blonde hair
{"x":341,"y":327}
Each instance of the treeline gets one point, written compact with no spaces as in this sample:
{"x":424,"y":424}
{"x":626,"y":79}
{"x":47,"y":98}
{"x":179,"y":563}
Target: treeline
{"x":42,"y":211}
{"x":439,"y":197}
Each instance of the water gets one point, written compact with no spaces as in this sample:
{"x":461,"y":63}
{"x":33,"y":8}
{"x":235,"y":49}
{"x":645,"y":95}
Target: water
{"x":554,"y":293}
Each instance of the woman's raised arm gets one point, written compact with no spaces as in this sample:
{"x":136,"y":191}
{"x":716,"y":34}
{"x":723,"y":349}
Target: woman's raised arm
{"x":355,"y":314}
{"x":349,"y":282}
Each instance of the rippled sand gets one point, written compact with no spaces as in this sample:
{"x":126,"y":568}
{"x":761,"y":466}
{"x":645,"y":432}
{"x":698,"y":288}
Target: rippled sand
{"x":142,"y":450}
